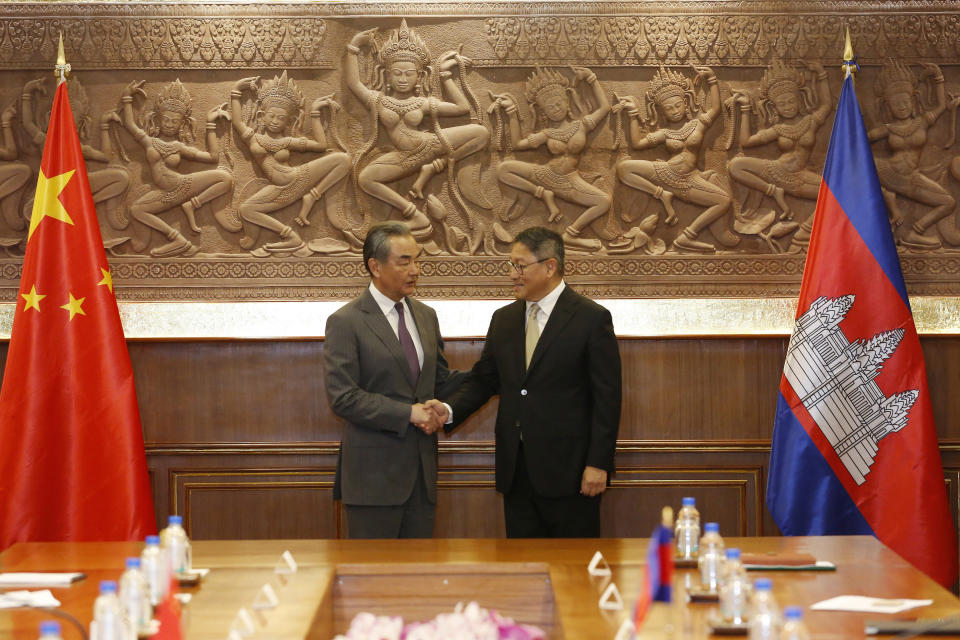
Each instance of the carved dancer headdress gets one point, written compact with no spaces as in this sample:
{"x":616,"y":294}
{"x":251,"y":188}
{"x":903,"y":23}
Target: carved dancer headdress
{"x":281,"y":92}
{"x":780,"y":78}
{"x":405,"y":45}
{"x":896,"y":77}
{"x":80,"y":104}
{"x":668,"y":84}
{"x":544,"y":82}
{"x":174,"y":97}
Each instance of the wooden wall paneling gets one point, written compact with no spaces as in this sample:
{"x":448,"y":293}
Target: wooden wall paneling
{"x":730,"y":496}
{"x":243,"y":428}
{"x":257,"y":503}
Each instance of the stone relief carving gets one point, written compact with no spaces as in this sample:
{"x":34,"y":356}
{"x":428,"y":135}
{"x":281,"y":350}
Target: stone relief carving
{"x":276,"y":118}
{"x":401,"y":102}
{"x":670,"y":106}
{"x":13,"y":176}
{"x":564,"y":135}
{"x":907,"y":118}
{"x":166,"y":142}
{"x":792,"y":112}
{"x":638,"y":137}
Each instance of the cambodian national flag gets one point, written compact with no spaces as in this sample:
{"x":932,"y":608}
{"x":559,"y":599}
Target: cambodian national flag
{"x":658,"y":573}
{"x":854,"y":445}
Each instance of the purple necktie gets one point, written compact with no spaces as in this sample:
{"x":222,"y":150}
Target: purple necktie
{"x":406,"y":342}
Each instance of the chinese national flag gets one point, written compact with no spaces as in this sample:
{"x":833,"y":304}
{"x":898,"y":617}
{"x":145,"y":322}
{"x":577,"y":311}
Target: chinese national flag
{"x":72,"y":464}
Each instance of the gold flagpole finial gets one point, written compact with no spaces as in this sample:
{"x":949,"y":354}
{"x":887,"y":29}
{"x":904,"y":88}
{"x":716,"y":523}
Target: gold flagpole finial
{"x":61,"y":70}
{"x":849,"y":60}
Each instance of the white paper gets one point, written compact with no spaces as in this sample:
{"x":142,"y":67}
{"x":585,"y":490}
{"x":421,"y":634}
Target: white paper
{"x":41,"y":599}
{"x":38,"y":579}
{"x":867,"y":604}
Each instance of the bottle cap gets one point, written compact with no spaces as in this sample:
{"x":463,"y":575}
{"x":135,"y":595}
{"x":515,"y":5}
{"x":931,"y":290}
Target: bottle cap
{"x":689,"y":502}
{"x":176,"y":520}
{"x":733,"y":554}
{"x":153,"y":539}
{"x":51,"y":627}
{"x":133,"y":563}
{"x":711,"y":527}
{"x":793,"y":613}
{"x":108,"y":586}
{"x":763,"y":584}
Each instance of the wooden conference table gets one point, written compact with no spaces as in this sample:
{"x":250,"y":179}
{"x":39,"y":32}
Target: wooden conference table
{"x":543,"y":582}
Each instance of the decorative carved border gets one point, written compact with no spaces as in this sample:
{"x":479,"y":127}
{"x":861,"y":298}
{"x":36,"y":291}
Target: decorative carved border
{"x":668,"y":276}
{"x":187,"y":35}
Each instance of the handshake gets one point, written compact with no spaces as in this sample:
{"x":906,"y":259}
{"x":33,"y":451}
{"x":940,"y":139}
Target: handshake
{"x":429,"y":416}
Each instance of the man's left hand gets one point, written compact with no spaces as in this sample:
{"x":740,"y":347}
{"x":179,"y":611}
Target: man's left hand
{"x":594,"y":481}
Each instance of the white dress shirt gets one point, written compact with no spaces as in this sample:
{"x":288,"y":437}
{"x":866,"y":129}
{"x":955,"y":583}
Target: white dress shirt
{"x":389,"y":309}
{"x":545,"y":307}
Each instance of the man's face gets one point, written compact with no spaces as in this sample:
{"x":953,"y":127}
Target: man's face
{"x":535,"y":280}
{"x":397,"y":277}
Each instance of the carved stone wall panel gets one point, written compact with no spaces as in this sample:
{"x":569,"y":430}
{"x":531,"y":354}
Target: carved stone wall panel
{"x":538,"y":113}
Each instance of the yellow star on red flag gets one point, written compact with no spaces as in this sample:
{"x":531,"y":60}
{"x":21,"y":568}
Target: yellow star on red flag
{"x":33,"y":299}
{"x":74,"y":306}
{"x":107,"y":279}
{"x":47,"y":201}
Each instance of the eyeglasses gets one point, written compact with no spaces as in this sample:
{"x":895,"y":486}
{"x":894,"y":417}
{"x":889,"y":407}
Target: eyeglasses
{"x":520,"y":267}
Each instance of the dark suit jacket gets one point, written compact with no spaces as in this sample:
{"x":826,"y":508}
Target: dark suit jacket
{"x":369,"y":386}
{"x":567,"y":405}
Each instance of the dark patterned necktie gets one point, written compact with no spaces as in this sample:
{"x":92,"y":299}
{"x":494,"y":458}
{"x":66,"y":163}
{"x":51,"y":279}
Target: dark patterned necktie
{"x":406,"y":342}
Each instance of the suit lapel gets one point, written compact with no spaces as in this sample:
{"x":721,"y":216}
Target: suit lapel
{"x":562,"y":312}
{"x":427,"y":341}
{"x":377,"y":322}
{"x":516,"y":336}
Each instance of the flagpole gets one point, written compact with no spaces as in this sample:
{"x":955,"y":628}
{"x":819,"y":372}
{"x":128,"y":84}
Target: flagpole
{"x":850,"y":65}
{"x":61,"y":70}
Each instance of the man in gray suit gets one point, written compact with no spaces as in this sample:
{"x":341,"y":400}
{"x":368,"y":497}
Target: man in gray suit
{"x":383,"y":359}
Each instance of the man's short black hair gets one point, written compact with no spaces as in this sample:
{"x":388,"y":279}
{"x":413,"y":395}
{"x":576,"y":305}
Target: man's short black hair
{"x":377,"y":243}
{"x":543,"y":243}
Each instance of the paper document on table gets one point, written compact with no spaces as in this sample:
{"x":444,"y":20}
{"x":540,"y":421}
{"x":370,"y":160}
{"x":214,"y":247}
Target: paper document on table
{"x":38,"y":579}
{"x":14,"y":599}
{"x":819,"y":565}
{"x":868,"y":605}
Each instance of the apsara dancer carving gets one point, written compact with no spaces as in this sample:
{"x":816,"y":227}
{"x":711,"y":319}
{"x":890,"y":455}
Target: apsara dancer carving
{"x":277,"y":116}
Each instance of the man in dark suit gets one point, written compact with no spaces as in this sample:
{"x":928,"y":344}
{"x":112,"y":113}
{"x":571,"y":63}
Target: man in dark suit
{"x":553,"y":358}
{"x":383,"y":357}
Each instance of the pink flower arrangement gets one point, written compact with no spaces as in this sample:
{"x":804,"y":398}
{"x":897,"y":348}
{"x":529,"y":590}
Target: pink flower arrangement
{"x":469,"y":622}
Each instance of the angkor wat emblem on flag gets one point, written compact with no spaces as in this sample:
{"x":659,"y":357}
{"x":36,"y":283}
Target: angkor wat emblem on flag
{"x":835,"y":380}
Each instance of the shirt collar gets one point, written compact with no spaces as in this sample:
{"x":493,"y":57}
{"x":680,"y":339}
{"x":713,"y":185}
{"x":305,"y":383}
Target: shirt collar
{"x":549,"y":301}
{"x":386,"y":304}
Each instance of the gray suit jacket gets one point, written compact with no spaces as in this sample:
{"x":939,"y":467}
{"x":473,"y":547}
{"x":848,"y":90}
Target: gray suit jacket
{"x":369,"y":386}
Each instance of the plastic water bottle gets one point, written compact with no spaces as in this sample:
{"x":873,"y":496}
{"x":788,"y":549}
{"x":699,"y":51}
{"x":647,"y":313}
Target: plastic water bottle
{"x":108,"y":620}
{"x":50,"y":630}
{"x":710,"y":557}
{"x":734,"y":589}
{"x":764,"y":614}
{"x":687,"y":531}
{"x":793,"y":627}
{"x":156,"y":569}
{"x":135,"y":597}
{"x":174,"y":540}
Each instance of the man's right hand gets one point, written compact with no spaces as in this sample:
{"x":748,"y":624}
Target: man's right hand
{"x":425,"y":418}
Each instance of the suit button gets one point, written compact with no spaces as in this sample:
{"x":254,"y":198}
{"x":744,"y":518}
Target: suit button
{"x":523,"y":392}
